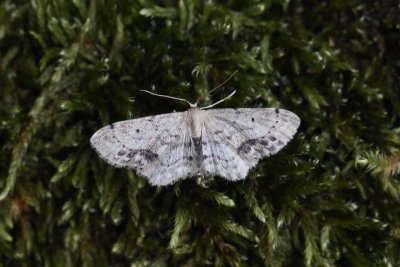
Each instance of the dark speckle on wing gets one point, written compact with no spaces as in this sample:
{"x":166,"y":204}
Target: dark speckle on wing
{"x":258,"y":145}
{"x":147,"y":155}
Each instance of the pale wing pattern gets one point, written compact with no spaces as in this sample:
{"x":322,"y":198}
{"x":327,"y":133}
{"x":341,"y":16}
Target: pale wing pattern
{"x":157,"y":147}
{"x":220,"y":156}
{"x":235,"y":139}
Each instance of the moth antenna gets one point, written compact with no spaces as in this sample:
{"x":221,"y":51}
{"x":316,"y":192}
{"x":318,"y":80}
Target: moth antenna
{"x":171,"y":97}
{"x":222,"y":100}
{"x":224,"y":82}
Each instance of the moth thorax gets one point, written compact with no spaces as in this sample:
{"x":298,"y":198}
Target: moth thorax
{"x":196,"y":121}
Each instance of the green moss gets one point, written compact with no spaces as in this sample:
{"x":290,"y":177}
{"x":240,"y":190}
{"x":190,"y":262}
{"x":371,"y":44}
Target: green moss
{"x":69,"y":67}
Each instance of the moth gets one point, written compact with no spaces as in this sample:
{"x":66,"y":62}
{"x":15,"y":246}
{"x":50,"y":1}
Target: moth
{"x":199,"y":142}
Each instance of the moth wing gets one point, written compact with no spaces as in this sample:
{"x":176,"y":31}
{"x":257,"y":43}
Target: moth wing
{"x":157,"y":147}
{"x":236,"y":139}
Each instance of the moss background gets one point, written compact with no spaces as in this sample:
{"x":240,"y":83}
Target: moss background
{"x":69,"y":67}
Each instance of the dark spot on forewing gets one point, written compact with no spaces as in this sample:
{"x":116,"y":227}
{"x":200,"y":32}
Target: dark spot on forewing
{"x":264,"y":142}
{"x":148,"y":155}
{"x":253,"y":144}
{"x":277,"y":110}
{"x":245,"y":147}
